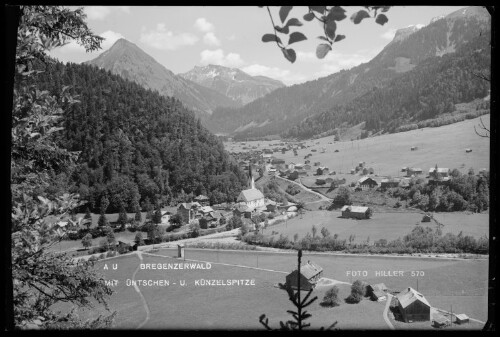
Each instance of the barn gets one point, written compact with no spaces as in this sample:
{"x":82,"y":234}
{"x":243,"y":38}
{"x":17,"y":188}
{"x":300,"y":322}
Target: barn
{"x":356,"y":212}
{"x":366,"y":183}
{"x":310,"y":273}
{"x":413,"y":306}
{"x":377,"y":292}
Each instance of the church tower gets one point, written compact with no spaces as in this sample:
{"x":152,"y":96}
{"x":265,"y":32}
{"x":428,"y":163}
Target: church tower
{"x":251,"y":181}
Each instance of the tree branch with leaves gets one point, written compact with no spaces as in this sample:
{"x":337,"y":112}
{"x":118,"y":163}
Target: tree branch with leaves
{"x":328,"y":16}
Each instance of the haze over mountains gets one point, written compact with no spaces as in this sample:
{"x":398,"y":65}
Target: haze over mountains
{"x":287,"y":107}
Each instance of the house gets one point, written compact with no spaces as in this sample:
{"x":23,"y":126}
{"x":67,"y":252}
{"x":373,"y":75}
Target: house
{"x":413,"y":171}
{"x":439,"y":172}
{"x":277,"y":161}
{"x":127,"y":244}
{"x":366,"y":183}
{"x":204,"y":210}
{"x":377,"y":292}
{"x":290,"y":166}
{"x":353,"y":171}
{"x":301,"y":172}
{"x":413,"y":306}
{"x":322,"y":171}
{"x":317,"y":163}
{"x":202,"y":200}
{"x":242,"y":210}
{"x":462,"y":318}
{"x":165,"y":217}
{"x":310,"y":273}
{"x":468,"y":150}
{"x":271,"y":205}
{"x":188,"y":211}
{"x":356,"y":212}
{"x":426,"y":218}
{"x":389,"y":183}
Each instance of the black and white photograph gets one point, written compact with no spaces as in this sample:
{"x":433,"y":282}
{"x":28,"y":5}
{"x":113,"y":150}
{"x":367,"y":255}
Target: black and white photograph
{"x":249,"y":168}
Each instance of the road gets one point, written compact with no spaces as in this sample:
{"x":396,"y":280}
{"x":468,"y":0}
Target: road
{"x":323,"y":198}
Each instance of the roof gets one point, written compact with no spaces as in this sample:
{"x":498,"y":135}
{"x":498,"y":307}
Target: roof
{"x":243,"y":208}
{"x":414,"y":169}
{"x":201,"y":197}
{"x":270,"y":202}
{"x":409,"y":296}
{"x":354,"y":209}
{"x":310,"y":269}
{"x":439,"y":170}
{"x":362,"y":180}
{"x":439,"y":318}
{"x":462,"y":316}
{"x":379,"y":293}
{"x":250,"y":195}
{"x":378,"y":286}
{"x":189,"y":205}
{"x":206,"y":209}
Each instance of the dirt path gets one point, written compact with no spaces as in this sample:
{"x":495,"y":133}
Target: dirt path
{"x":386,"y":309}
{"x":145,"y":304}
{"x":323,"y":198}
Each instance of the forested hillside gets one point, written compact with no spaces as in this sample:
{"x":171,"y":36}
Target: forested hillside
{"x":136,"y":146}
{"x":432,"y":88}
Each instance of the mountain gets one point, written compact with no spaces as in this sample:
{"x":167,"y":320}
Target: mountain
{"x":289,"y":106}
{"x":130,"y":62}
{"x":135,"y":145}
{"x":233,"y":82}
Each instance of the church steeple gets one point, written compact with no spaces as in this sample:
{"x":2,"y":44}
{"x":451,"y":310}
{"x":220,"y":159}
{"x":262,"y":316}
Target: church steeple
{"x":251,"y":182}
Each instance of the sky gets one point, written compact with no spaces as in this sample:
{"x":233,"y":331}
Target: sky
{"x":180,"y":38}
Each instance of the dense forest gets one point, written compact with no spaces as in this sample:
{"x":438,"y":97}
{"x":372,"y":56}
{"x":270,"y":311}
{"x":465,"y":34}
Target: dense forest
{"x":429,"y":90}
{"x":135,"y":146}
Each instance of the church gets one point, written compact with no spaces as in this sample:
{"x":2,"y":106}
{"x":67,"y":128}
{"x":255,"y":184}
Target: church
{"x":252,"y":197}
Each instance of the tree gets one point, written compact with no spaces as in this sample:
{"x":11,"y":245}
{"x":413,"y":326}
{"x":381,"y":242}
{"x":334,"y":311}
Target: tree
{"x":103,"y":221}
{"x":138,"y":214}
{"x":299,"y":316}
{"x":331,"y":297}
{"x":104,"y":204}
{"x":41,"y":278}
{"x":203,"y":223}
{"x":87,"y":240}
{"x":88,"y":217}
{"x":110,"y":235}
{"x":122,"y":216}
{"x":314,"y":230}
{"x":104,"y":244}
{"x":195,"y":230}
{"x":328,"y":17}
{"x":176,"y":220}
{"x":295,"y":237}
{"x":325,"y":232}
{"x":153,"y":231}
{"x":157,"y":215}
{"x":234,"y":222}
{"x":369,"y":213}
{"x":342,"y":198}
{"x":138,"y":238}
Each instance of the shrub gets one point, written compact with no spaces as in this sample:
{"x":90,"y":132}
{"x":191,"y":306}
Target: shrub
{"x":359,"y":287}
{"x":331,"y":297}
{"x":353,"y":298}
{"x":110,"y":254}
{"x":102,"y":256}
{"x":93,"y":258}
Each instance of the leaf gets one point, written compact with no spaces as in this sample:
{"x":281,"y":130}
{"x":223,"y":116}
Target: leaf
{"x":322,"y":50}
{"x":309,"y":16}
{"x":319,"y":9}
{"x":284,"y":10}
{"x":337,"y":13}
{"x":296,"y":37}
{"x":323,"y":38}
{"x":330,"y":29}
{"x":339,"y":38}
{"x":289,"y":54}
{"x":270,"y":37}
{"x":284,"y":30}
{"x":293,"y":22}
{"x":381,"y":19}
{"x":360,"y":15}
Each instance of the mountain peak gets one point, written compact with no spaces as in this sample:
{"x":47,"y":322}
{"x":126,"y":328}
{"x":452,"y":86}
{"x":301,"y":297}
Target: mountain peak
{"x":403,"y":33}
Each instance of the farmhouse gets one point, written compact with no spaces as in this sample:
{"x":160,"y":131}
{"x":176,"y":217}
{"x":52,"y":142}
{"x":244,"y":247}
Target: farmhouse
{"x":462,"y":318}
{"x":413,"y":171}
{"x":389,"y":183}
{"x":187,"y":211}
{"x":242,"y":210}
{"x":377,"y":292}
{"x":276,"y":161}
{"x":439,"y":320}
{"x":202,"y":200}
{"x":356,"y":212}
{"x":439,"y":172}
{"x":310,"y":273}
{"x":366,"y":183}
{"x":322,"y":171}
{"x":413,"y":306}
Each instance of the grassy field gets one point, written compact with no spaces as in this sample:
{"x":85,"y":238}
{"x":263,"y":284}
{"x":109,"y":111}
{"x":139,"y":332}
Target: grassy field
{"x":387,"y":226}
{"x":444,"y":146}
{"x":461,"y":284}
